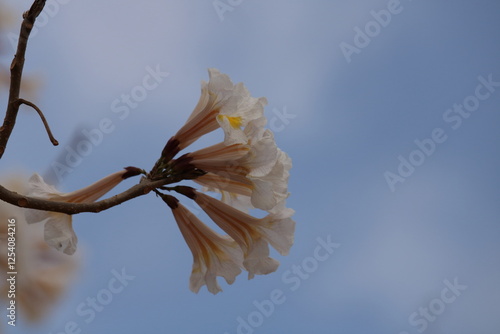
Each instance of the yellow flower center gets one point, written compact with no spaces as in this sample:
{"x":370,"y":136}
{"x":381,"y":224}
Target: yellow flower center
{"x":235,"y":121}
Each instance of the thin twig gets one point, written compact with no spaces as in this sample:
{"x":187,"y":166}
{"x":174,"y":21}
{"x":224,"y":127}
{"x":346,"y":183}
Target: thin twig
{"x":16,"y":73}
{"x":40,"y":113}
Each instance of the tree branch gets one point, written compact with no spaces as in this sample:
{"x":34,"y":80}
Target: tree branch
{"x":16,"y":72}
{"x":143,"y":188}
{"x":40,"y":113}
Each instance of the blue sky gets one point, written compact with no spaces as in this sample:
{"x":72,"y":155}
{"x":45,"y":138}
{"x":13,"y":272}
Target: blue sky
{"x":416,"y":254}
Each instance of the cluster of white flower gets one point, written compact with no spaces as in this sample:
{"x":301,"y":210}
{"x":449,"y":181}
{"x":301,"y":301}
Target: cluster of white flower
{"x":247,"y":169}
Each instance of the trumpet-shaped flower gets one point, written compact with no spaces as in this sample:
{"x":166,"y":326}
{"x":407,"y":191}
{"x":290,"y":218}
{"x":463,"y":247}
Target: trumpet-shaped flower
{"x":252,"y":234}
{"x":222,"y":104}
{"x":213,"y":254}
{"x":58,"y":226}
{"x":255,"y":174}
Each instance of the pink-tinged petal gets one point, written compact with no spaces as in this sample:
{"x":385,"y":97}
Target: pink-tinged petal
{"x":279,"y":232}
{"x":219,"y":153}
{"x":237,"y":201}
{"x":200,"y":125}
{"x":252,"y":234}
{"x":215,"y":182}
{"x":222,"y":104}
{"x":96,"y":190}
{"x":258,"y":262}
{"x":218,"y":88}
{"x":213,"y":254}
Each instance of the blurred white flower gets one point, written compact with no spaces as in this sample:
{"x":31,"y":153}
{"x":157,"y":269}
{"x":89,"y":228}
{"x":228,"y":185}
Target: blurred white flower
{"x":43,"y":274}
{"x":58,"y":226}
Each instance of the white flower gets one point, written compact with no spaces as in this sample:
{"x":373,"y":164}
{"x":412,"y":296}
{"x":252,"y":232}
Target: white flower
{"x":254,"y":175}
{"x":222,"y":104}
{"x":213,"y":254}
{"x":44,"y":274}
{"x":252,"y":234}
{"x":58,"y":226}
{"x":271,"y":190}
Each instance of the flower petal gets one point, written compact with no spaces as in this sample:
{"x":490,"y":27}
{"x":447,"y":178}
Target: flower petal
{"x":233,"y":118}
{"x":38,"y":188}
{"x":258,"y":262}
{"x":213,"y":254}
{"x":252,"y":234}
{"x":59,"y":233}
{"x":96,"y":190}
{"x":219,"y":153}
{"x":221,"y":104}
{"x":36,"y":216}
{"x":272,"y":189}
